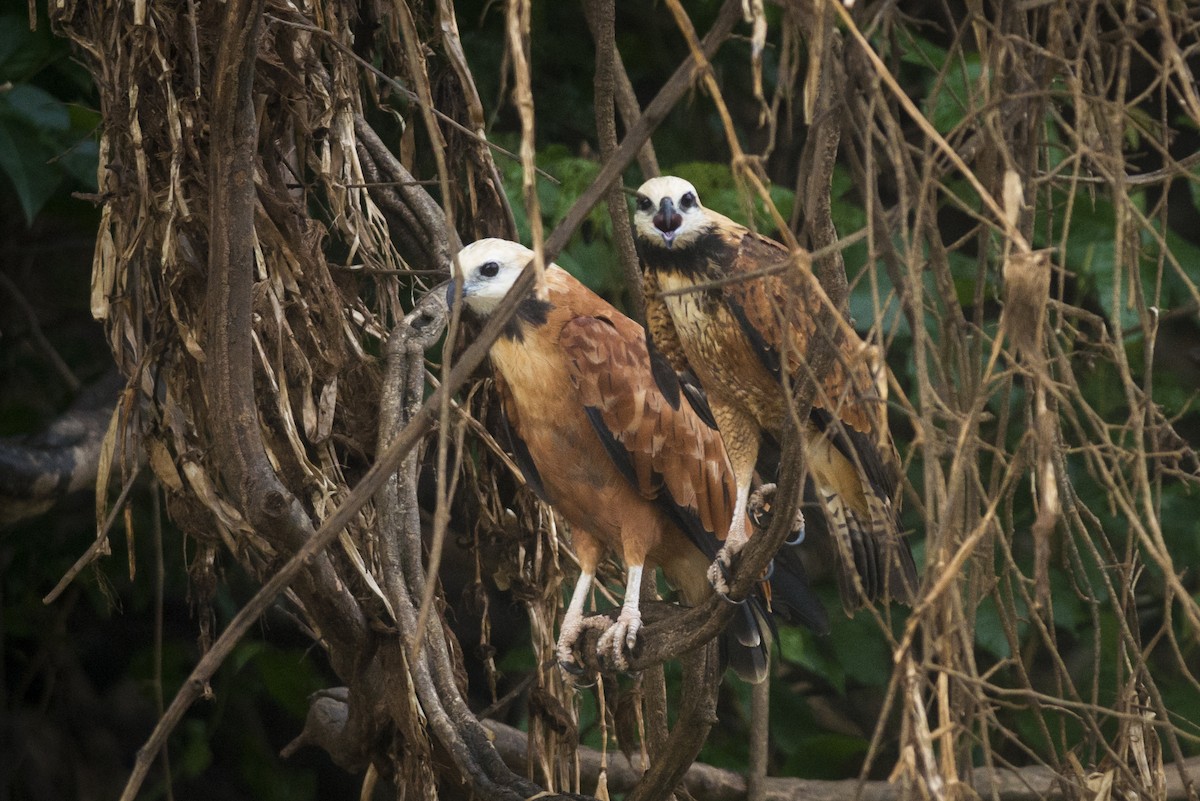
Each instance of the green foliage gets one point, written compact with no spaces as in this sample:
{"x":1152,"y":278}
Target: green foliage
{"x":44,"y":140}
{"x":951,"y":97}
{"x":590,"y":255}
{"x":719,"y":192}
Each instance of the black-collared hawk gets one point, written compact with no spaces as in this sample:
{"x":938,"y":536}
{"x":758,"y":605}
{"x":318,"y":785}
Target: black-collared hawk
{"x":632,"y":470}
{"x":746,"y":336}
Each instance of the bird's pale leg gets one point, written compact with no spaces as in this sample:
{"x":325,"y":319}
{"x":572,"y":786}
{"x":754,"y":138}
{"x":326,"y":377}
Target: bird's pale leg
{"x":718,"y":571}
{"x":588,"y":550}
{"x":572,"y":625}
{"x":622,"y":635}
{"x":740,"y":434}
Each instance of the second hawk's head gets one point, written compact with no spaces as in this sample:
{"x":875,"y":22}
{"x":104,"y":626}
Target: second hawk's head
{"x":668,"y":213}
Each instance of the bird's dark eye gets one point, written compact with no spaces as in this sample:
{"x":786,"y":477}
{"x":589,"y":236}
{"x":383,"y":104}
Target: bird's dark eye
{"x":644,"y":203}
{"x":489,"y":269}
{"x":687,"y":201}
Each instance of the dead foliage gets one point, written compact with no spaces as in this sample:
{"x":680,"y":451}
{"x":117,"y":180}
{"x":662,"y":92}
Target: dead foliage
{"x":260,"y":239}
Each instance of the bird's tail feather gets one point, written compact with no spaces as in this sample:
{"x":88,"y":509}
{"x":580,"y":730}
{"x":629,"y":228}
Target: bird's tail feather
{"x":875,"y":564}
{"x":746,"y":642}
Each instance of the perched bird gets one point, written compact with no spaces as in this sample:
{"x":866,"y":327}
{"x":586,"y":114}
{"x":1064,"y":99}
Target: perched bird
{"x":630,"y":470}
{"x":747,"y":337}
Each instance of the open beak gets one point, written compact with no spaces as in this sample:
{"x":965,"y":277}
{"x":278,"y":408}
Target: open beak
{"x":667,"y":220}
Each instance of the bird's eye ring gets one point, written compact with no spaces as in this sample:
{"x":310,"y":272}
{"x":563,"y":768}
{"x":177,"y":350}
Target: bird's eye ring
{"x":489,"y":269}
{"x":644,"y":203}
{"x":687,"y":201}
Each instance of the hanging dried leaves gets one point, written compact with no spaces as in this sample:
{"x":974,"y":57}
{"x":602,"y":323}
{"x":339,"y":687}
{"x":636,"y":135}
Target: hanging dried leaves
{"x":260,"y":239}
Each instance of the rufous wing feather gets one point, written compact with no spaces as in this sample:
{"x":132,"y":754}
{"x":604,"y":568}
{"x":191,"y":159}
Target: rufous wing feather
{"x":779,"y":314}
{"x":669,"y":454}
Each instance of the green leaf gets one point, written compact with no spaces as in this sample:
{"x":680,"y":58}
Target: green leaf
{"x":921,"y":51}
{"x":989,"y":628}
{"x":800,"y":647}
{"x":1090,"y":250}
{"x":289,"y":678}
{"x":196,"y":754}
{"x":957,"y":97}
{"x":719,"y":192}
{"x":37,"y":107}
{"x":22,"y":51}
{"x":33,"y":180}
{"x":862,"y":650}
{"x":80,"y":162}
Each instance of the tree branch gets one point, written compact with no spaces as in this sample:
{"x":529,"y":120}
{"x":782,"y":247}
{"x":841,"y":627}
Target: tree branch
{"x":38,"y":471}
{"x":707,"y":783}
{"x":428,"y":661}
{"x":601,"y":18}
{"x":229,"y":380}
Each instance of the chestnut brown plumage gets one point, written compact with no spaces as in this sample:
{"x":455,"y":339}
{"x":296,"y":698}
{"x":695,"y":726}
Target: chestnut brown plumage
{"x":747,"y":338}
{"x":631,"y":468}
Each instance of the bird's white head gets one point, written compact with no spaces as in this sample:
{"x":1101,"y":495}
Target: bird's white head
{"x":490,"y":268}
{"x":668,"y":213}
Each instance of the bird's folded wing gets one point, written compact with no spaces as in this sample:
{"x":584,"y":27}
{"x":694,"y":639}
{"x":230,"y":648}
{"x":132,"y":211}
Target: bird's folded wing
{"x":668,"y":454}
{"x":779,"y":319}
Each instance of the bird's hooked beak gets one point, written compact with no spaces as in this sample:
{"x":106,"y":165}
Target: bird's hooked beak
{"x":667,"y":221}
{"x":450,"y":294}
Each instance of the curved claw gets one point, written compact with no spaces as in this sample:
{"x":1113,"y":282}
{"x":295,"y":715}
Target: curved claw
{"x":572,"y":668}
{"x":572,"y":673}
{"x":759,"y":506}
{"x":798,"y":536}
{"x":718,"y":576}
{"x":621,"y":638}
{"x":770,"y":571}
{"x":572,"y":630}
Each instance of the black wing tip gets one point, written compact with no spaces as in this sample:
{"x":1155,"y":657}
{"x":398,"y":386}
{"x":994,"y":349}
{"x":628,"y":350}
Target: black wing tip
{"x":767,"y":355}
{"x":686,"y":519}
{"x":792,"y":596}
{"x":524,"y":460}
{"x":698,"y":400}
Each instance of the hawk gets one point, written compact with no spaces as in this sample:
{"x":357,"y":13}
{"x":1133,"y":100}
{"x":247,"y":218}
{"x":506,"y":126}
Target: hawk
{"x":632,"y":469}
{"x":747,"y":336}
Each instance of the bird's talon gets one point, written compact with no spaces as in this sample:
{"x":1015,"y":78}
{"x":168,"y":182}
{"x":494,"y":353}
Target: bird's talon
{"x":571,"y":667}
{"x":617,"y":643}
{"x":724,"y":597}
{"x":758,"y":506}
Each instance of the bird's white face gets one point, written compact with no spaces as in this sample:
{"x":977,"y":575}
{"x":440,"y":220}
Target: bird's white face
{"x":490,"y":268}
{"x":668,"y":213}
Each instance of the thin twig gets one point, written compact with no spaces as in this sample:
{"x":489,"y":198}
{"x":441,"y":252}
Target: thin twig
{"x":35,"y":330}
{"x":601,"y":18}
{"x":402,"y":89}
{"x":97,"y":548}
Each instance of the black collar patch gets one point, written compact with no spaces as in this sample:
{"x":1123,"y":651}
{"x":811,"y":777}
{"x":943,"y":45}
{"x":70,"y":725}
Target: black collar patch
{"x":532,"y":312}
{"x":702,"y":258}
